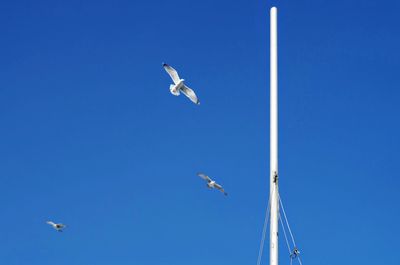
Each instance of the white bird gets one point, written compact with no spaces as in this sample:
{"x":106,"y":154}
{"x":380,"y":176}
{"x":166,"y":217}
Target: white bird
{"x":211,"y":184}
{"x":179,"y":86}
{"x":58,"y":227}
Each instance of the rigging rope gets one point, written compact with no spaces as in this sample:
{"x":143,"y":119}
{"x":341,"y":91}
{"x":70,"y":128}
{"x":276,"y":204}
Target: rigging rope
{"x":287,"y":223}
{"x":264,"y":231}
{"x":292,"y":254}
{"x":284,"y":233}
{"x":295,"y":253}
{"x":286,"y":240}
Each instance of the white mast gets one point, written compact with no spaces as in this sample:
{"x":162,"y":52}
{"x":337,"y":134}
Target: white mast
{"x":274,"y":138}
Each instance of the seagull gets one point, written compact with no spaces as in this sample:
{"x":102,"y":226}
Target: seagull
{"x":58,"y":227}
{"x":211,"y":184}
{"x":179,"y":86}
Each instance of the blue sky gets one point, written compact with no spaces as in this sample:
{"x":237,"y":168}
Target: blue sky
{"x":91,"y":136}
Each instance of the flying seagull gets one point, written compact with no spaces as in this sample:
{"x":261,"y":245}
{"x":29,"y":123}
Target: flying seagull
{"x":179,"y":86}
{"x":211,"y":184}
{"x":58,"y":227}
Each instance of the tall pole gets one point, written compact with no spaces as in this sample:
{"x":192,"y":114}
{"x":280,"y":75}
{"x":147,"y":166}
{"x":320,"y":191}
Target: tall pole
{"x":273,"y":258}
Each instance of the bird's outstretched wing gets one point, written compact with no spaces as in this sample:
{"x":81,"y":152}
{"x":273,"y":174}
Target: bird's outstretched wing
{"x":190,"y":94}
{"x":219,"y":187}
{"x":172,"y":73}
{"x":50,"y":223}
{"x":204,"y":176}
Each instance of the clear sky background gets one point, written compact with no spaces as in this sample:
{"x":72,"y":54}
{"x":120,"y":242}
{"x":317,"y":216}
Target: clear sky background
{"x":91,"y":136}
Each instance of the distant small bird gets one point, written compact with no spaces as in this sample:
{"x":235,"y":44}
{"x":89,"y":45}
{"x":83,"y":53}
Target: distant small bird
{"x":211,"y":184}
{"x":179,"y":86}
{"x":58,"y":227}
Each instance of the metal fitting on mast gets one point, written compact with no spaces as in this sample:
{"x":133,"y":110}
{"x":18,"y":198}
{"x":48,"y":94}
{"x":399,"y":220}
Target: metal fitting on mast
{"x":275,"y":177}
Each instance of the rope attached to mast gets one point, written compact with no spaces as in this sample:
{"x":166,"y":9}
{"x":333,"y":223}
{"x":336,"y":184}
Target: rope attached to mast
{"x":264,"y":231}
{"x":293,"y":254}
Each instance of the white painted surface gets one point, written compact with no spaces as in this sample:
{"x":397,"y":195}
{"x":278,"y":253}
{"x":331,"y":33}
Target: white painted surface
{"x":274,"y":137}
